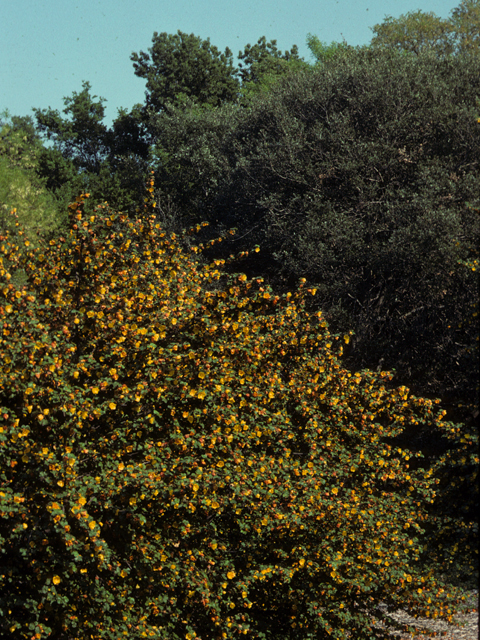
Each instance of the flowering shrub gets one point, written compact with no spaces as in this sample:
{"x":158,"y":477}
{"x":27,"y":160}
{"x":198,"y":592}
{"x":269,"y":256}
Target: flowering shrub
{"x":182,"y":454}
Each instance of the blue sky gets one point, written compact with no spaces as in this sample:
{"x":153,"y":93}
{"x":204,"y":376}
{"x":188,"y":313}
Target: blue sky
{"x":48,"y":48}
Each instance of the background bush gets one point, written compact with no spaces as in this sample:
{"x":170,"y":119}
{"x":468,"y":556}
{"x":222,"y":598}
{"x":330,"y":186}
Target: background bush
{"x":20,"y":187}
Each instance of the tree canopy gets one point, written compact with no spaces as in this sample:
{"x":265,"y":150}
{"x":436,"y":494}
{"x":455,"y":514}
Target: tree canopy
{"x":83,"y":136}
{"x":263,"y":64}
{"x":86,"y":155}
{"x":465,"y":22}
{"x":418,"y":31}
{"x":179,"y":66}
{"x":322,"y":51}
{"x":21,"y":187}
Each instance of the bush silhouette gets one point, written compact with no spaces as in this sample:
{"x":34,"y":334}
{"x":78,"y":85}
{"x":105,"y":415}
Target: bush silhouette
{"x":182,"y":454}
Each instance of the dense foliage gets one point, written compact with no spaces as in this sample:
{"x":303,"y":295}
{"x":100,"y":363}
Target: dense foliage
{"x":179,"y":66}
{"x":355,"y":176}
{"x":418,"y":31}
{"x":85,"y":154}
{"x":21,"y":188}
{"x":183,"y":455}
{"x":182,"y":72}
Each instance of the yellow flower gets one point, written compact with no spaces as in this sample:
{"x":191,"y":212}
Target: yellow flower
{"x":56,"y":580}
{"x":231,"y":575}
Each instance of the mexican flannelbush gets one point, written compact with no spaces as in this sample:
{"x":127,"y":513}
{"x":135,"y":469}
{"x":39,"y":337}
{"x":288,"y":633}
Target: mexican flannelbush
{"x":182,"y":454}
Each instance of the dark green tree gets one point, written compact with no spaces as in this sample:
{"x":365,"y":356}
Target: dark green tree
{"x":262,"y":64}
{"x":82,"y":136}
{"x":179,"y":66}
{"x":189,"y":158}
{"x":110,"y":163}
{"x":60,"y":174}
{"x":129,"y":158}
{"x":203,"y":92}
{"x":356,"y":176}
